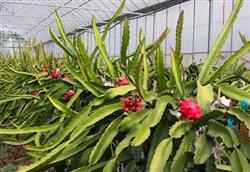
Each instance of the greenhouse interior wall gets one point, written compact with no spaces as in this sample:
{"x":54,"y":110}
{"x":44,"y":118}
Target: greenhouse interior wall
{"x":203,"y":19}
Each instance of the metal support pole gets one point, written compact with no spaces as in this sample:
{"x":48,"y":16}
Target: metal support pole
{"x":154,"y":25}
{"x":209,"y":25}
{"x":193,"y":39}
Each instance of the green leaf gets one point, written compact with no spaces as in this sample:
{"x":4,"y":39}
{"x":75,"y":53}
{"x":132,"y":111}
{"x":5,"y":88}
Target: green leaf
{"x":144,"y":64}
{"x":43,"y":161}
{"x":59,"y":42}
{"x":239,"y":162}
{"x":245,"y":148}
{"x":106,"y":139}
{"x":42,"y":128}
{"x":159,"y":64}
{"x":20,"y":72}
{"x":234,"y":92}
{"x":205,"y":96}
{"x":91,"y":168}
{"x":133,"y":64}
{"x":161,"y":155}
{"x":102,"y":48}
{"x":17,"y":143}
{"x":139,"y":79}
{"x":60,"y":106}
{"x":87,"y":61}
{"x":180,"y":128}
{"x":214,"y":53}
{"x":177,"y":72}
{"x":158,"y":136}
{"x":111,"y":93}
{"x":17,"y":97}
{"x":179,"y":28}
{"x":107,"y":28}
{"x":73,"y":149}
{"x":223,"y":168}
{"x":141,"y":133}
{"x":203,"y":149}
{"x":229,"y":62}
{"x":158,"y":42}
{"x":84,"y":82}
{"x":210,"y":164}
{"x":229,"y":138}
{"x":133,"y":119}
{"x":241,"y":115}
{"x":142,"y":130}
{"x":74,"y":122}
{"x":95,"y":117}
{"x":71,"y":102}
{"x":243,"y":38}
{"x":180,"y":157}
{"x":125,"y":42}
{"x":37,"y":138}
{"x":109,"y":167}
{"x":159,"y":109}
{"x":63,"y":34}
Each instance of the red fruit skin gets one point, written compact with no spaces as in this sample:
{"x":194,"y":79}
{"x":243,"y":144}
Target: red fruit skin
{"x":122,"y":81}
{"x":56,"y":74}
{"x":190,"y":110}
{"x":69,"y":94}
{"x":138,"y":107}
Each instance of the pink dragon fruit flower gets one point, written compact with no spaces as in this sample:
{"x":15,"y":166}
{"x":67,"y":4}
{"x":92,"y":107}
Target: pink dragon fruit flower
{"x":190,"y":109}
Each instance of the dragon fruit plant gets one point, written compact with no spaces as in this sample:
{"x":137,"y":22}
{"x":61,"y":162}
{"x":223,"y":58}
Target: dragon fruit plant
{"x":23,"y":97}
{"x":138,"y":115}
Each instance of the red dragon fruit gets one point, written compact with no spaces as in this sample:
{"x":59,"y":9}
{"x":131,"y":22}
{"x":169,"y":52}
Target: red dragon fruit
{"x":69,"y":94}
{"x":190,"y":109}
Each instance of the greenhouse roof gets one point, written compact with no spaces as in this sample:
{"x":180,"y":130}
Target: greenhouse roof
{"x":31,"y":18}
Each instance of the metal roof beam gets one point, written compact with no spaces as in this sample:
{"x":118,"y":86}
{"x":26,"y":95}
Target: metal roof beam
{"x":42,"y":17}
{"x":23,"y":28}
{"x":19,"y":24}
{"x":70,"y":7}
